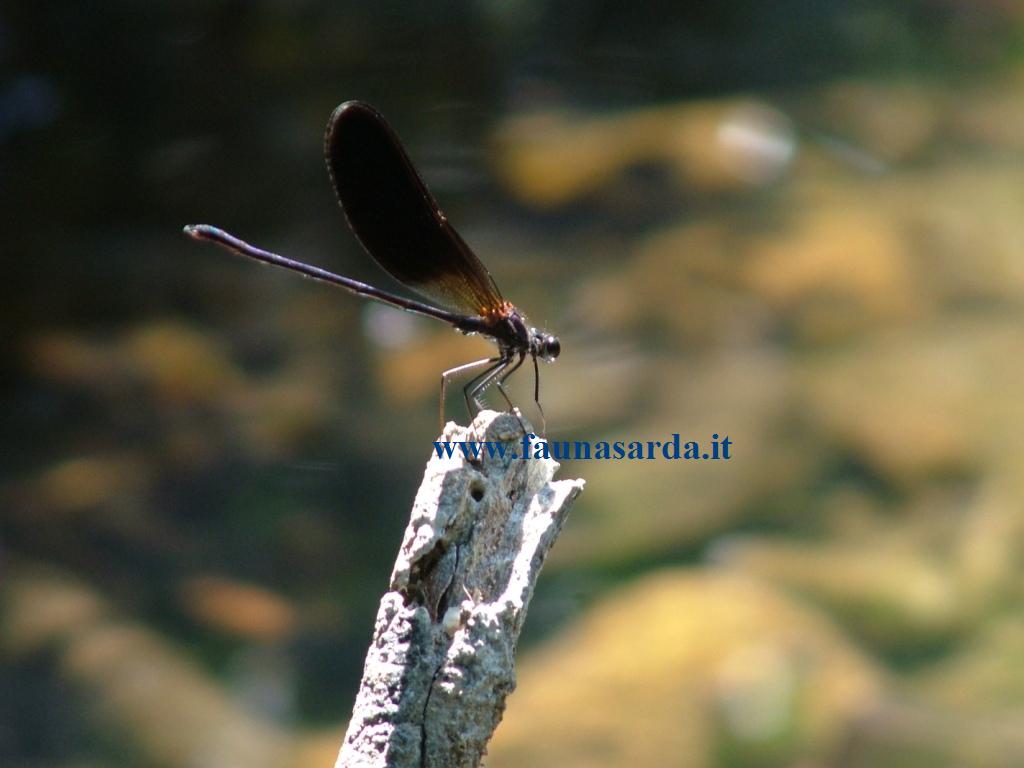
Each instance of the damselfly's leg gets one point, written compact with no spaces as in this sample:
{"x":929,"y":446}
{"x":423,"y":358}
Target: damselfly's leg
{"x":536,"y":397}
{"x":475,"y":388}
{"x":457,"y":370}
{"x":501,"y":388}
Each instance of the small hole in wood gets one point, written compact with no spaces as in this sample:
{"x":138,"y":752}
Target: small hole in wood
{"x":477,"y":492}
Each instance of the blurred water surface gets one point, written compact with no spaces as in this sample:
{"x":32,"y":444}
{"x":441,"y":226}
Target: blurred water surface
{"x":796,"y":224}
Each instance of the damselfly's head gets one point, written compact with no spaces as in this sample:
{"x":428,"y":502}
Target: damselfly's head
{"x":544,"y":345}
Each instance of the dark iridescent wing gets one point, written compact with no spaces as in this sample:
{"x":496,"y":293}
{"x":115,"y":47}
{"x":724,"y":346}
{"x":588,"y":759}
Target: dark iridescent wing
{"x":395,"y":217}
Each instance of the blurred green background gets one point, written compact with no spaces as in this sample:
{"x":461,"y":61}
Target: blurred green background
{"x":800,"y":224}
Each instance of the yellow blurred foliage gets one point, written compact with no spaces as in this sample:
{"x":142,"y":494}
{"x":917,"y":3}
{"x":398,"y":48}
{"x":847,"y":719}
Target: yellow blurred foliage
{"x":236,"y":608}
{"x":678,"y":666}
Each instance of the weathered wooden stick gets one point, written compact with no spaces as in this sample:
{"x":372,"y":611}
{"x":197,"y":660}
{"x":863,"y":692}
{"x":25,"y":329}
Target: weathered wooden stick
{"x":442,"y":658}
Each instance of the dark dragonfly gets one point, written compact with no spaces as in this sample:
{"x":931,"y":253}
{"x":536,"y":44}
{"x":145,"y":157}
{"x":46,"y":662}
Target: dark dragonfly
{"x":396,"y":219}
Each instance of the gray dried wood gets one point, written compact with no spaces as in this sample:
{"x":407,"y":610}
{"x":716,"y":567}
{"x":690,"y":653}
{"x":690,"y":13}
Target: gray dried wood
{"x":442,"y":658}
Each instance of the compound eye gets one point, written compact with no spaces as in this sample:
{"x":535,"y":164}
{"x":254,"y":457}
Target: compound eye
{"x":552,"y":348}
